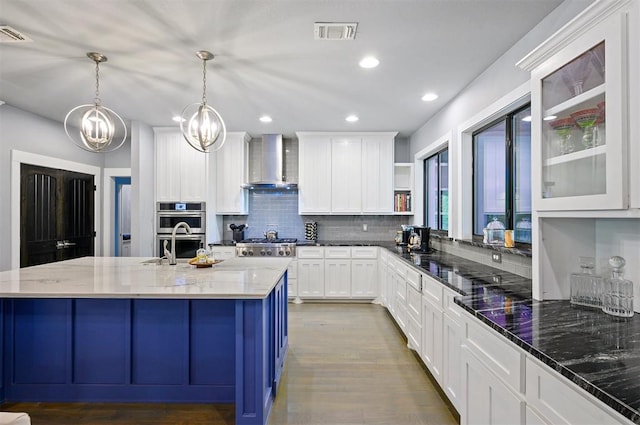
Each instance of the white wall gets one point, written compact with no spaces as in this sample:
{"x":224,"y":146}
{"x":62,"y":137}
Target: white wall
{"x":27,"y":132}
{"x":142,"y":190}
{"x":501,"y":78}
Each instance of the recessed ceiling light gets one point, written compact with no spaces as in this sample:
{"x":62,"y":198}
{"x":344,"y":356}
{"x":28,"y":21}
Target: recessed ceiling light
{"x":429,"y":97}
{"x":265,"y":118}
{"x":369,"y":62}
{"x":527,"y":118}
{"x":352,"y":118}
{"x":178,"y":118}
{"x":550,"y":117}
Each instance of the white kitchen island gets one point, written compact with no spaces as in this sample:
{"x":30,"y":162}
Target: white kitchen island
{"x":131,"y":330}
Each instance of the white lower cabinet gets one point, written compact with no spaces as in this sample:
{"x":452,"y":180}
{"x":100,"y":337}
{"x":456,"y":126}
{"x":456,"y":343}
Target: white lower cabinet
{"x":311,"y":278}
{"x":487,"y":399}
{"x":292,"y":279}
{"x":452,"y":337}
{"x":364,"y":278}
{"x":432,"y":337}
{"x":337,"y":278}
{"x":347,"y":272}
{"x":551,"y":400}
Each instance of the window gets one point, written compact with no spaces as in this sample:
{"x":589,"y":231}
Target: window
{"x":502,"y":174}
{"x":436,"y":175}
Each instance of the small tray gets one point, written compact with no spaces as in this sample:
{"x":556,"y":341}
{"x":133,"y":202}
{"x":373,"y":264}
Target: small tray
{"x":194,"y":262}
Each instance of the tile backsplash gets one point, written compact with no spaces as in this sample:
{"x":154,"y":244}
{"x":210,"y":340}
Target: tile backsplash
{"x":269,"y":208}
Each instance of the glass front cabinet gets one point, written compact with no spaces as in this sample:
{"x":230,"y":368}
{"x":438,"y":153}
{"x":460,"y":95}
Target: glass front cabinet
{"x":579,"y":96}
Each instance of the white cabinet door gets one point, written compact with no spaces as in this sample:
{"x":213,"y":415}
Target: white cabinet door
{"x":169,"y":146}
{"x":337,"y":278}
{"x":231,"y":172}
{"x":346,"y":175}
{"x":314,"y":179}
{"x":487,"y":401}
{"x":414,"y":318}
{"x":292,"y":279}
{"x":364,"y":278}
{"x":311,"y":278}
{"x":452,"y":337}
{"x":432,"y":338}
{"x":561,"y":403}
{"x":193,"y":173}
{"x":377,"y":174}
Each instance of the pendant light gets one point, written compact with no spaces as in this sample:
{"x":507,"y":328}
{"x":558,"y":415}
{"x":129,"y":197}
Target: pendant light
{"x":94,"y":127}
{"x":201,"y":125}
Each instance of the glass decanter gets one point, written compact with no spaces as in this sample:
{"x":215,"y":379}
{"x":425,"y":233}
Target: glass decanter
{"x":586,"y":286}
{"x":617,"y":298}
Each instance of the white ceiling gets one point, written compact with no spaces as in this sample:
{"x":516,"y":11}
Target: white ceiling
{"x":267,"y":61}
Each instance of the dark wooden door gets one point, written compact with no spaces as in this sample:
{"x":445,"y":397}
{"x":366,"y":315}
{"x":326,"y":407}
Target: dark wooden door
{"x":56,"y":215}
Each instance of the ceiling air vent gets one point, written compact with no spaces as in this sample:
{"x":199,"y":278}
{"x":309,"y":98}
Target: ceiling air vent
{"x":11,"y":35}
{"x":334,"y":30}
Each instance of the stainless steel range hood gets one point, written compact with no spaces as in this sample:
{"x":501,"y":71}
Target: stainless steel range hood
{"x":271,"y":166}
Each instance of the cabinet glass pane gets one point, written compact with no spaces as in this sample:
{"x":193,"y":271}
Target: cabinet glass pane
{"x":521,"y":124}
{"x":573,"y":127}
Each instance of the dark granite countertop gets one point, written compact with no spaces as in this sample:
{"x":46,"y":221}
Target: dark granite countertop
{"x":339,"y":243}
{"x":588,"y":347}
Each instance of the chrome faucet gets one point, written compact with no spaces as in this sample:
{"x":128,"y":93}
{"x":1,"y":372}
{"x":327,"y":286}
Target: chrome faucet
{"x":172,"y":254}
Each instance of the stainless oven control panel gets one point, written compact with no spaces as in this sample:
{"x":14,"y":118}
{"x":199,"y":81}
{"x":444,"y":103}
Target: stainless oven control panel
{"x":266,"y":250}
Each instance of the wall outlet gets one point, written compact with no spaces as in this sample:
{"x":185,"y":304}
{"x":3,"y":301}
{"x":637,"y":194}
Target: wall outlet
{"x":364,"y":227}
{"x":497,"y":279}
{"x":496,"y":257}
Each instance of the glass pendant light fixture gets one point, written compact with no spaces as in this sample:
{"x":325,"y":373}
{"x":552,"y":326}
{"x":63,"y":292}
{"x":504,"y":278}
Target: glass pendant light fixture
{"x":201,"y":125}
{"x":93,"y":127}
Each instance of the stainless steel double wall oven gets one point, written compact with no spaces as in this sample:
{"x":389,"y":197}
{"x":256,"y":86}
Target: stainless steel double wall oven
{"x":168,"y":214}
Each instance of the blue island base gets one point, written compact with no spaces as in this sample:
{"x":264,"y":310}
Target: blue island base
{"x":147,"y":350}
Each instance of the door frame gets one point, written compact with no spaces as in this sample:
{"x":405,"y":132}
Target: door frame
{"x":108,"y":224}
{"x":20,"y":157}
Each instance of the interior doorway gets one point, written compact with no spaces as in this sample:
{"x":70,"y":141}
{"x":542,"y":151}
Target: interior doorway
{"x":122,"y":214}
{"x":56,"y":215}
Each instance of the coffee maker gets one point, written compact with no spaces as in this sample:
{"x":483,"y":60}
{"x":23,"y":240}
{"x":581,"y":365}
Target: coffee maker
{"x":423,"y":233}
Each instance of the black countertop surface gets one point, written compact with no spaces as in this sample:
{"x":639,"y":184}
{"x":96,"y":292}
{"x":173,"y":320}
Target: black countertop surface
{"x":593,"y":350}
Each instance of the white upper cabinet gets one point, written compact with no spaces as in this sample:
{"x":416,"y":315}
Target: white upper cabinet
{"x":314,"y":174}
{"x":579,"y":104}
{"x":377,"y":174}
{"x":231,"y":171}
{"x":346,"y":173}
{"x":181,"y":171}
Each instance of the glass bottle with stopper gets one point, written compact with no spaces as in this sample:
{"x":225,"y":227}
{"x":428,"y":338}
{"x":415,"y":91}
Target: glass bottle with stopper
{"x":586,"y":287}
{"x":617,"y":298}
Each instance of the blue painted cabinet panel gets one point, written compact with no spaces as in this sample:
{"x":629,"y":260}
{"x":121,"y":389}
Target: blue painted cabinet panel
{"x":159,"y":342}
{"x":101,"y":337}
{"x":40,"y":334}
{"x":212,"y":342}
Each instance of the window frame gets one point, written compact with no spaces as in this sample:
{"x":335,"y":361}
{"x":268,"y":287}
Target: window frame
{"x":425,"y":182}
{"x":510,"y":177}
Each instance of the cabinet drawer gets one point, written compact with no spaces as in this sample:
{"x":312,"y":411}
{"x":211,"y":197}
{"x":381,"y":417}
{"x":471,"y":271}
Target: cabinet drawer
{"x":401,"y":292}
{"x":365,"y":252}
{"x":433,"y":290}
{"x":413,"y":279}
{"x":223,"y":252}
{"x":401,"y":269}
{"x":310,"y":252}
{"x":498,"y":354}
{"x":560,"y":402}
{"x":414,"y":303}
{"x":450,"y":306}
{"x":337,"y":252}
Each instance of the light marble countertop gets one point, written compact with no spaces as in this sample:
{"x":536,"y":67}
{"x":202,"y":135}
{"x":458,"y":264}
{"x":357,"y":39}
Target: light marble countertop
{"x":140,"y":277}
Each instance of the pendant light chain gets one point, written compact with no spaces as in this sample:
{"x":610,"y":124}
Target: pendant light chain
{"x":97,"y":98}
{"x":204,"y":82}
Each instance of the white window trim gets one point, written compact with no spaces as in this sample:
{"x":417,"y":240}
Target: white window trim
{"x":464,"y":172}
{"x":436,"y":146}
{"x":17,"y":159}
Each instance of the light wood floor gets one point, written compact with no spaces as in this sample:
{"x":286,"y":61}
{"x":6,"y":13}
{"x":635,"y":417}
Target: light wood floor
{"x":347,"y":364}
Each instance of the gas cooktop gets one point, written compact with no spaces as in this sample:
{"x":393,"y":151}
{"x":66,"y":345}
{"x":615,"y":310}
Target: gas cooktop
{"x":265,"y":240}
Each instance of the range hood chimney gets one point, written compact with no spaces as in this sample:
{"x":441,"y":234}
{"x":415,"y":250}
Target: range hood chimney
{"x":271,"y":166}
